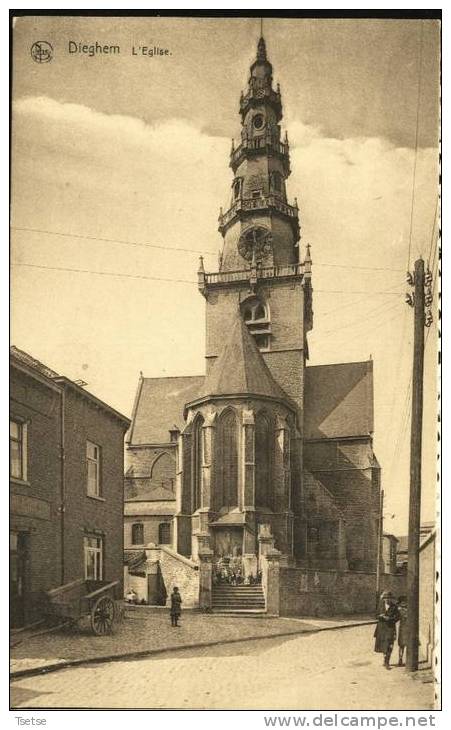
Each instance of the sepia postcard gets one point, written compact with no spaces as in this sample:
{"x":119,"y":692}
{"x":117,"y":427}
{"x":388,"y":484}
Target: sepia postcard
{"x":224,"y":404}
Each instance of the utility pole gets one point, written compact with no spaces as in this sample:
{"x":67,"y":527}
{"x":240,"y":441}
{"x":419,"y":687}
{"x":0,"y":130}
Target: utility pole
{"x":380,"y":537}
{"x":417,"y":301}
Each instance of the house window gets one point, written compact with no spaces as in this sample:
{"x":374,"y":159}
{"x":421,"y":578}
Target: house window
{"x":93,"y":558}
{"x":93,"y":469}
{"x":18,"y":449}
{"x":138,"y":534}
{"x":164,"y":533}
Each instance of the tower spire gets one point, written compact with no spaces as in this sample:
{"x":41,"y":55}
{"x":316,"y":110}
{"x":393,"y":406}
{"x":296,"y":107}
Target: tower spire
{"x":261,"y":50}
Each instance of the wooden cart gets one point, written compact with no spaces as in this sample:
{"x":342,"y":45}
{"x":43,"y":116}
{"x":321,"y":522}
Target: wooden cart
{"x":81,"y":598}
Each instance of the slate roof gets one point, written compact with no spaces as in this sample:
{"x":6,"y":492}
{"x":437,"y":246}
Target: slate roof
{"x":338,"y":400}
{"x":159,"y":406}
{"x":27,"y":359}
{"x":134,"y":558}
{"x":240,"y":368}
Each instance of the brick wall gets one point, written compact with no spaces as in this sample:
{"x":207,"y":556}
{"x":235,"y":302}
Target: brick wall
{"x":85,"y":515}
{"x":35,"y":504}
{"x":151,"y":524}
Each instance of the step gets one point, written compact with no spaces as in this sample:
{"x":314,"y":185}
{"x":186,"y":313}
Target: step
{"x":240,"y":611}
{"x":253,"y":604}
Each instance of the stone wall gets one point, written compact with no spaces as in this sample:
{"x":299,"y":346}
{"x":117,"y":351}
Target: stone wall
{"x":177,"y":570}
{"x":327,"y":593}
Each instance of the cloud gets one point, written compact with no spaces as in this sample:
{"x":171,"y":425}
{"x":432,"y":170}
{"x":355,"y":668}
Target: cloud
{"x":114,"y":176}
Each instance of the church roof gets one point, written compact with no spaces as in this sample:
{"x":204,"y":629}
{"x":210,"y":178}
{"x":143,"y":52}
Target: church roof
{"x":338,"y":400}
{"x":240,"y":368}
{"x":159,"y":407}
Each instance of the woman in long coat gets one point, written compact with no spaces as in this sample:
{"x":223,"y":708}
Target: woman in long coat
{"x":385,"y":633}
{"x":176,"y":603}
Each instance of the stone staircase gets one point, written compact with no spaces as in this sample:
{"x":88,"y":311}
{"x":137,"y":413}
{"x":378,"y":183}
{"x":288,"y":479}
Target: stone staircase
{"x":238,"y":599}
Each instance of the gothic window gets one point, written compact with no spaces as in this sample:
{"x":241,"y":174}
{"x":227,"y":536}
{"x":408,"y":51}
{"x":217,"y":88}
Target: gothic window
{"x":263,"y":453}
{"x":197,"y":461}
{"x":137,"y":533}
{"x":237,"y":188}
{"x":228,"y":459}
{"x":164,"y":533}
{"x":256,"y":316}
{"x":163,"y":471}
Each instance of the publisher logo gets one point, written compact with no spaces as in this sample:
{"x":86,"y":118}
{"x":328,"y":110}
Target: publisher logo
{"x":41,"y":52}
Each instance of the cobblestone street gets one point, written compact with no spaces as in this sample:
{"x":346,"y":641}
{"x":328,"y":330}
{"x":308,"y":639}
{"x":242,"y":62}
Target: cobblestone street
{"x":327,"y":670}
{"x":144,"y":630}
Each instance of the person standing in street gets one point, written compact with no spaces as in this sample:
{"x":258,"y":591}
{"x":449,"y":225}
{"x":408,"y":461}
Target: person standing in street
{"x":402,"y":629}
{"x":176,"y":610}
{"x":385,"y":633}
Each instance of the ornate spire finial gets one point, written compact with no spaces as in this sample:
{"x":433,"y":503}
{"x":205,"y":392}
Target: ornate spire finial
{"x":201,"y":265}
{"x":261,"y":50}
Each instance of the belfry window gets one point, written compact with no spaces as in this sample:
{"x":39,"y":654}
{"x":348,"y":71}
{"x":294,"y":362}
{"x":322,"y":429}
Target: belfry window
{"x":256,"y":316}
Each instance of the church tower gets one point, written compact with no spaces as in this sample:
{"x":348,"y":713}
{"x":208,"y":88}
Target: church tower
{"x":242,"y":446}
{"x":266,"y":453}
{"x":259,"y":268}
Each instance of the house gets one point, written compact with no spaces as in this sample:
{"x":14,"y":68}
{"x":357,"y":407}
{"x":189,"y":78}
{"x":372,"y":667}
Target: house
{"x":426,"y":528}
{"x":389,"y":552}
{"x":66,"y":485}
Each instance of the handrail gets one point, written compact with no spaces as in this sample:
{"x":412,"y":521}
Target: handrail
{"x":263,"y":201}
{"x":102,"y":589}
{"x":267,"y":272}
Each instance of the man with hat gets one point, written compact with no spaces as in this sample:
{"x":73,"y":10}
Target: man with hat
{"x":385,"y":633}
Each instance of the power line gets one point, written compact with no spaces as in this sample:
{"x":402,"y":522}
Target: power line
{"x":179,"y":281}
{"x":112,"y":240}
{"x":416,"y":143}
{"x":432,"y":234}
{"x":376,"y":312}
{"x":104,"y":273}
{"x":184,"y":250}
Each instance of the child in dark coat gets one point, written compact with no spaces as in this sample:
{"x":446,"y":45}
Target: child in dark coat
{"x":385,"y":633}
{"x":176,"y":602}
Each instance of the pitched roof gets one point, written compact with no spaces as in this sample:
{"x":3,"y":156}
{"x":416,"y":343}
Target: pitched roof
{"x":159,"y":406}
{"x":240,"y":368}
{"x":141,"y":508}
{"x":23,"y":357}
{"x":151,"y":493}
{"x":27,"y":359}
{"x":338,"y":400}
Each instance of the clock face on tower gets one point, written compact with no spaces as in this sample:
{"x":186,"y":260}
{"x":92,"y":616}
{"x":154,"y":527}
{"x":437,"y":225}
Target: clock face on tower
{"x":255,"y":238}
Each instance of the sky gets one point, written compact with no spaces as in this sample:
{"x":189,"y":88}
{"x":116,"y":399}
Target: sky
{"x":134,"y":150}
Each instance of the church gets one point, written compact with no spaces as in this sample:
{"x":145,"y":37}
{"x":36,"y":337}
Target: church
{"x":263,"y":448}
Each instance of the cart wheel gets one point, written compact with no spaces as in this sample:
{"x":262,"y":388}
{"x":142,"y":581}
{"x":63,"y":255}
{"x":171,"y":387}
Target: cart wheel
{"x":102,"y":616}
